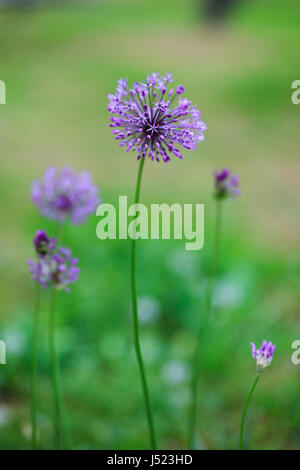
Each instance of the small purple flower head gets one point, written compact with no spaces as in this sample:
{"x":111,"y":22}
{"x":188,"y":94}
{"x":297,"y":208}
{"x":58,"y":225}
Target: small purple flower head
{"x":148,"y":119}
{"x":180,"y":90}
{"x":43,"y":244}
{"x":263,"y":355}
{"x":66,"y":270}
{"x":65,"y":193}
{"x":57,"y":269}
{"x":226,"y":184}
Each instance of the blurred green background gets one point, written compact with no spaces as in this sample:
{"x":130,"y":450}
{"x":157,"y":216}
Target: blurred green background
{"x":59,"y":64}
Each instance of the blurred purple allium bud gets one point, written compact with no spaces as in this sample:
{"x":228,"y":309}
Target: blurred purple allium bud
{"x":180,"y":89}
{"x":226,"y":184}
{"x":57,"y":269}
{"x":65,"y":193}
{"x":263,"y":355}
{"x":43,"y":244}
{"x":148,"y":120}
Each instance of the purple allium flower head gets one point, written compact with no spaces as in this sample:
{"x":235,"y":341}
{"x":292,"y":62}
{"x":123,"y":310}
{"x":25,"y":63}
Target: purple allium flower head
{"x":65,"y":193}
{"x":43,"y":244}
{"x":263,"y":355}
{"x":180,"y":90}
{"x":57,"y":269}
{"x":226,"y":184}
{"x":150,"y":120}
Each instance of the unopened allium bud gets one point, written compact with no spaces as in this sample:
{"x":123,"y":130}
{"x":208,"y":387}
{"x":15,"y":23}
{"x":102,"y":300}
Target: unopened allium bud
{"x":180,"y":89}
{"x":263,"y":355}
{"x":43,"y":244}
{"x":226,"y":184}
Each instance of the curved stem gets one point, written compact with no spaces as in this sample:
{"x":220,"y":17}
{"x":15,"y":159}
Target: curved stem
{"x":245,"y":412}
{"x":137,"y":346}
{"x":55,"y":372}
{"x":34,"y":366}
{"x":203,"y":326}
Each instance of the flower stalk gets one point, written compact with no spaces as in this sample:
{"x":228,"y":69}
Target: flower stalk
{"x":136,"y":335}
{"x":153,"y":120}
{"x":245,"y":411}
{"x":60,"y":233}
{"x":215,"y":257}
{"x":34,"y":367}
{"x":203,"y":326}
{"x":263,"y":357}
{"x":55,"y":372}
{"x":226,"y":186}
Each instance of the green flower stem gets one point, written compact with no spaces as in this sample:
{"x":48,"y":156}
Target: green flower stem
{"x":215,"y":258}
{"x":60,"y":233}
{"x":245,"y":411}
{"x":194,"y":393}
{"x":137,"y":346}
{"x":202,"y":327}
{"x":34,"y":366}
{"x":64,"y":415}
{"x":55,"y":372}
